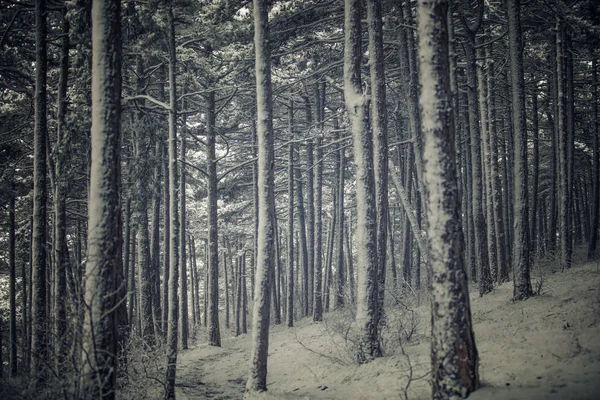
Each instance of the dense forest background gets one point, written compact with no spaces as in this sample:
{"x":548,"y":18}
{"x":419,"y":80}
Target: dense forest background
{"x":169,"y":166}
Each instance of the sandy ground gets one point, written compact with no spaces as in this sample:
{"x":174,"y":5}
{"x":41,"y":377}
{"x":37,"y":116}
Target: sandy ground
{"x":547,"y":347}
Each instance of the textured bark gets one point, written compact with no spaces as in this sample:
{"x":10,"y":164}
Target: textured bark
{"x":366,"y":243}
{"x":595,"y":167}
{"x":479,"y":234}
{"x":98,"y":376}
{"x":339,"y":234}
{"x":303,"y":248}
{"x":214,"y":333}
{"x":227,"y":323}
{"x":453,"y":351}
{"x":290,"y":235}
{"x":380,"y":137}
{"x":521,"y":259}
{"x":39,"y":318}
{"x":486,"y":161}
{"x":318,"y":279}
{"x":155,"y":240}
{"x":61,"y":250}
{"x":12,"y":325}
{"x":310,"y":208}
{"x":257,"y":380}
{"x":497,"y":215}
{"x":166,"y":240}
{"x":536,"y":171}
{"x":183,"y":276}
{"x":172,"y":299}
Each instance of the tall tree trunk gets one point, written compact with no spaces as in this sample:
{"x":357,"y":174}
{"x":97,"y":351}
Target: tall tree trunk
{"x":244,"y":295}
{"x":356,"y":106}
{"x":521,"y":259}
{"x":155,"y":240}
{"x":227,"y":324}
{"x":166,"y":238}
{"x":183,"y":299}
{"x":214,"y":334}
{"x":339,"y":234}
{"x":12,"y":352}
{"x":536,"y":171}
{"x":61,"y":250}
{"x":479,"y":234}
{"x":310,"y":206}
{"x":257,"y":381}
{"x":380,"y":137}
{"x":595,"y":167}
{"x":318,"y":279}
{"x":104,"y":250}
{"x":39,"y":333}
{"x":290,"y":235}
{"x":173,"y":301}
{"x":453,"y":351}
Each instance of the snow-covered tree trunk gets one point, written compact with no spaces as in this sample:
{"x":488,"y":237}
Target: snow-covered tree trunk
{"x":98,"y":376}
{"x":339,"y":234}
{"x":214,"y":334}
{"x":366,"y":230}
{"x":39,"y":318}
{"x":183,"y":275}
{"x":155,"y":239}
{"x":172,"y":298}
{"x":595,"y":167}
{"x":521,"y":259}
{"x":380,"y":137}
{"x":453,"y":351}
{"x":257,"y":380}
{"x":290,"y":233}
{"x":318,"y":279}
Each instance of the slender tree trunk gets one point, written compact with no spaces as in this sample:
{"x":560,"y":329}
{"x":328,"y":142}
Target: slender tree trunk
{"x":380,"y":137}
{"x":166,"y":240}
{"x":172,"y":301}
{"x":244,"y":295}
{"x":39,"y":341}
{"x":61,"y":250}
{"x":310,"y":208}
{"x":453,"y":351}
{"x":155,"y":241}
{"x":522,"y":281}
{"x":257,"y":380}
{"x":214,"y":334}
{"x":318,"y":280}
{"x":356,"y":106}
{"x":183,"y":276}
{"x":227,"y":324}
{"x":104,"y":250}
{"x":12,"y":352}
{"x":536,"y":172}
{"x":290,"y":235}
{"x":339,"y":235}
{"x":595,"y":167}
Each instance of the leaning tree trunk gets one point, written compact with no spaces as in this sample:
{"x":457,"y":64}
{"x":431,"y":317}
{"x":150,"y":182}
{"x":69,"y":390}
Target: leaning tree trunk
{"x":103,"y":256}
{"x":39,"y":333}
{"x":366,"y":246}
{"x":521,"y":260}
{"x":453,"y":351}
{"x":257,"y":380}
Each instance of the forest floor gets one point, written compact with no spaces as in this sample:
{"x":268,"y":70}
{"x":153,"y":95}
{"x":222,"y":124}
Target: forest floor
{"x":547,"y":347}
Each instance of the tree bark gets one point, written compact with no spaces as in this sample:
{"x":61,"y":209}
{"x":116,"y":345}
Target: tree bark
{"x":356,"y":106}
{"x":521,"y":259}
{"x":39,"y":341}
{"x":257,"y":381}
{"x":595,"y":167}
{"x":172,"y":301}
{"x":290,"y":235}
{"x":318,"y":258}
{"x":103,"y":255}
{"x":453,"y":351}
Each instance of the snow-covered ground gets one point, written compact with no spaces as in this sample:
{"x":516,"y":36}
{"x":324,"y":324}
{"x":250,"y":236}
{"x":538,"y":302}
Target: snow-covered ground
{"x":547,"y":347}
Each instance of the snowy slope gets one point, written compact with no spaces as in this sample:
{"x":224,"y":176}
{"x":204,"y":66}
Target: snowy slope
{"x":547,"y":347}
